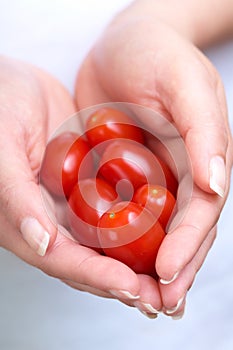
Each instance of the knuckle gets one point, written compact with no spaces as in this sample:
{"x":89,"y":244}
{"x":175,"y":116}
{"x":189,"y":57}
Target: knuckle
{"x":7,"y":194}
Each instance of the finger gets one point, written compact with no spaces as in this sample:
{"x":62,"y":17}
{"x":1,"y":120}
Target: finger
{"x":197,"y":111}
{"x":56,"y":207}
{"x":149,"y":303}
{"x":174,"y":294}
{"x":188,"y":230}
{"x":87,"y":289}
{"x":88,"y":90}
{"x":67,"y":260}
{"x":188,"y":92}
{"x":70,"y":261}
{"x":20,"y":197}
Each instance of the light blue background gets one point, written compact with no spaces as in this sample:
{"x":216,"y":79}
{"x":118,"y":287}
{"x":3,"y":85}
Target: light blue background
{"x":40,"y":313}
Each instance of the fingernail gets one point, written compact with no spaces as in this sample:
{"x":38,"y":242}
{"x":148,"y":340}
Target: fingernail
{"x":123,"y":294}
{"x":171,"y":280}
{"x":174,"y":309}
{"x":217,"y":171}
{"x":145,"y":307}
{"x":151,"y":316}
{"x":35,"y":235}
{"x":178,"y":316}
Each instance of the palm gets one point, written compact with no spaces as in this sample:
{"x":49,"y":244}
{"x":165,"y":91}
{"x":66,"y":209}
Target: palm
{"x":33,"y":106}
{"x":134,"y":64}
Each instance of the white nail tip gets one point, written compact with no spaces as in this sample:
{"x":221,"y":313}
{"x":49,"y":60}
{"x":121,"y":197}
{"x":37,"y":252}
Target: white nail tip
{"x":180,"y":302}
{"x":217,"y":181}
{"x":216,"y":188}
{"x":124,"y":294}
{"x":44,"y":244}
{"x":150,"y":308}
{"x":177,"y":317}
{"x":35,"y":235}
{"x":146,"y":307}
{"x":162,"y":281}
{"x":151,"y":316}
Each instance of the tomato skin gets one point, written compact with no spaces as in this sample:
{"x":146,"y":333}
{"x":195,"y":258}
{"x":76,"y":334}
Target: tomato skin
{"x":108,"y":124}
{"x":61,"y":166}
{"x":131,"y":234}
{"x":171,"y":182}
{"x":88,"y":201}
{"x":78,"y":164}
{"x":51,"y":169}
{"x":158,"y":200}
{"x":165,"y":158}
{"x":126,"y":160}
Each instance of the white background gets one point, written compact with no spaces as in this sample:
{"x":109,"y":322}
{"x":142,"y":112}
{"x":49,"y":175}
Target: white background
{"x":40,"y":313}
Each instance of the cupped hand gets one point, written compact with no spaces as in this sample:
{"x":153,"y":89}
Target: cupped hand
{"x":32,"y":106}
{"x":146,"y":62}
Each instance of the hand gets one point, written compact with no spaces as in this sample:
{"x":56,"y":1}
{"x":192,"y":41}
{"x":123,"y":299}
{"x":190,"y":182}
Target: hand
{"x":145,"y":61}
{"x":32,"y":105}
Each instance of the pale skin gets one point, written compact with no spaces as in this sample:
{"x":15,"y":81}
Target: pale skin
{"x":144,"y":38}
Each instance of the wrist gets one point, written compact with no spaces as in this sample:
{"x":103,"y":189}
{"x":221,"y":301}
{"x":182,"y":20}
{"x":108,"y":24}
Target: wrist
{"x":201,"y":22}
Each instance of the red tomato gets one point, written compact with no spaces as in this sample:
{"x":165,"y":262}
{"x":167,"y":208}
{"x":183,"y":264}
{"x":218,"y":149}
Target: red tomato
{"x":165,"y":158}
{"x":88,"y":201}
{"x":127,"y":160}
{"x":78,"y":164}
{"x":131,"y":234}
{"x":67,"y":158}
{"x":158,"y":200}
{"x":107,"y":124}
{"x":171,"y":182}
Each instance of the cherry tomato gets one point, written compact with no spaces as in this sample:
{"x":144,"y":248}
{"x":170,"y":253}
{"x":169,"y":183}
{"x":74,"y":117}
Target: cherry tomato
{"x":158,"y":200}
{"x":62,"y":164}
{"x":88,"y":201}
{"x":127,"y":160}
{"x":107,"y":124}
{"x":131,"y":234}
{"x":171,"y":182}
{"x":165,"y":158}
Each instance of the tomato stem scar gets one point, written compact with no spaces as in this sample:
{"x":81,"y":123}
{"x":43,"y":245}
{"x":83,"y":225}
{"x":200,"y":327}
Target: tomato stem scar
{"x":112,"y":215}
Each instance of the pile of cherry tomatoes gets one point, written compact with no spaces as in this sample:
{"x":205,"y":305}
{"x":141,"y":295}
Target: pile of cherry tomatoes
{"x":120,"y":195}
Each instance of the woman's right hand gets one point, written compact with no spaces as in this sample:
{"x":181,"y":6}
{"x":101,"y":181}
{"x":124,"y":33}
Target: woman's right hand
{"x":32,"y":106}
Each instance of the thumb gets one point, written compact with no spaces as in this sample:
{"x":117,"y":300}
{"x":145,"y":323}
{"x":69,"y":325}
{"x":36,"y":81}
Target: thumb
{"x":199,"y":112}
{"x":21,"y":200}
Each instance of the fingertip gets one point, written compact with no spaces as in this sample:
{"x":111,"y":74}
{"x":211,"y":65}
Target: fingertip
{"x":124,"y":294}
{"x":178,"y":316}
{"x":217,"y":176}
{"x":207,"y":151}
{"x":167,"y":265}
{"x":35,"y":234}
{"x":125,"y":284}
{"x":110,"y":275}
{"x":172,"y":279}
{"x":149,"y":303}
{"x":176,"y":308}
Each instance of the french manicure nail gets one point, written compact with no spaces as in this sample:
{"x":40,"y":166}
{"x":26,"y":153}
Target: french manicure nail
{"x":174,"y":309}
{"x":171,"y":280}
{"x":217,"y":181}
{"x":151,"y":316}
{"x":145,"y":307}
{"x":123,"y":294}
{"x":35,"y":235}
{"x":178,"y":316}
